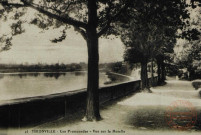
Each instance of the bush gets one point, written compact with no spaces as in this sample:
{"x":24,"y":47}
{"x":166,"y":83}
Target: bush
{"x":196,"y":84}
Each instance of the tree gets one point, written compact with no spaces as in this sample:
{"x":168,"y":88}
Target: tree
{"x":164,"y":55}
{"x":151,"y":29}
{"x":185,"y":31}
{"x":190,"y":58}
{"x":190,"y":54}
{"x":91,"y":18}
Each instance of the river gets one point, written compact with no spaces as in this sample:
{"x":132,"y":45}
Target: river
{"x":21,"y":85}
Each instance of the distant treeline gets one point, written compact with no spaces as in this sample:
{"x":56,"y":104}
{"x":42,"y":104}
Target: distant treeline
{"x":42,"y":67}
{"x":118,"y":67}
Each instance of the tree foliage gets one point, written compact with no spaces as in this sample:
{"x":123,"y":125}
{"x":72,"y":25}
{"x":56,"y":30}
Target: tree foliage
{"x":189,"y":56}
{"x":153,"y":26}
{"x":68,"y":12}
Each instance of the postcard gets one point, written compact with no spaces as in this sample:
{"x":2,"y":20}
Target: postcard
{"x":100,"y":67}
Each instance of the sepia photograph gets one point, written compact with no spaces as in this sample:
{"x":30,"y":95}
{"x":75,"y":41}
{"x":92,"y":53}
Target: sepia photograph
{"x":100,"y":67}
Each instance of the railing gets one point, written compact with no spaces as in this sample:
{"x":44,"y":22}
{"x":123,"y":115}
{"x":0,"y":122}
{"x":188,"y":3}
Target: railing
{"x":35,"y":110}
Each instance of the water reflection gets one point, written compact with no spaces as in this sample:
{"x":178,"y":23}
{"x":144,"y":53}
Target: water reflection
{"x":23,"y":75}
{"x":54,"y":75}
{"x":111,"y":78}
{"x":80,"y":73}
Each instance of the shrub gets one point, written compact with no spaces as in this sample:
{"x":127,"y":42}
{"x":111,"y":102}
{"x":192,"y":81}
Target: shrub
{"x":196,"y":84}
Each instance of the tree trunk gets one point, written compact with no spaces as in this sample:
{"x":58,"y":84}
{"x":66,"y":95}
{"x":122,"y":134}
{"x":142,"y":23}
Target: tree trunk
{"x":163,"y":78}
{"x":152,"y":72}
{"x":144,"y":76}
{"x":92,"y":108}
{"x":191,"y":74}
{"x":159,"y":71}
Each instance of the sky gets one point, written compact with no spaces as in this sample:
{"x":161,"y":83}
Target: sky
{"x":34,"y":46}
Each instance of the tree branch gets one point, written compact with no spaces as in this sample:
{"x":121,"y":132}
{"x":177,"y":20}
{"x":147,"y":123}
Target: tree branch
{"x":107,"y":26}
{"x":66,"y":20}
{"x":103,"y":30}
{"x":81,"y":31}
{"x":16,"y":5}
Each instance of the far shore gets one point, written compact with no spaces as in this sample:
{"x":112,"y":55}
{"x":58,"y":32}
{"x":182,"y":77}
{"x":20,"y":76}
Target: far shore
{"x":18,"y":72}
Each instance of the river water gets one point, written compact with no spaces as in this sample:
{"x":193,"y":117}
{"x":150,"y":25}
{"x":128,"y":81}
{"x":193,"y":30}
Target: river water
{"x":20,"y":85}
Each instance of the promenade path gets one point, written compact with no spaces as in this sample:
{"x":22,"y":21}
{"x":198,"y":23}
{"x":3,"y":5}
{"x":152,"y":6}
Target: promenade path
{"x":138,"y":114}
